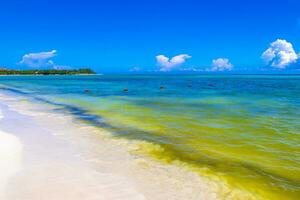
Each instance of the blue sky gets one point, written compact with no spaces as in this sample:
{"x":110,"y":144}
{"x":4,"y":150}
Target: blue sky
{"x":119,"y":36}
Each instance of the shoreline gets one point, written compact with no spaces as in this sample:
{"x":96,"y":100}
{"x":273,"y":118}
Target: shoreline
{"x":76,"y":146}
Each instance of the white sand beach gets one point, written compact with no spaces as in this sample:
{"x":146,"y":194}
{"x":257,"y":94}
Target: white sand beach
{"x":10,"y":158}
{"x":45,"y":155}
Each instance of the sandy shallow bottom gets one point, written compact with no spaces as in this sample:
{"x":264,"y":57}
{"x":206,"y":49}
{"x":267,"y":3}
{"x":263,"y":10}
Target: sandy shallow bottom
{"x":45,"y":155}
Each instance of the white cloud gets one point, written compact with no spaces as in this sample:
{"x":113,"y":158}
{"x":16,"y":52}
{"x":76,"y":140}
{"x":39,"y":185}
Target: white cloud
{"x":39,"y":60}
{"x":191,"y":69}
{"x":167,"y":64}
{"x":280,"y":54}
{"x":221,"y":64}
{"x":135,"y":69}
{"x":62,"y":67}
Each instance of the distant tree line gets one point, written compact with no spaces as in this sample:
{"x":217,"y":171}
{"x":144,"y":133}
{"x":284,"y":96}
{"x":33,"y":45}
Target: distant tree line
{"x":4,"y":71}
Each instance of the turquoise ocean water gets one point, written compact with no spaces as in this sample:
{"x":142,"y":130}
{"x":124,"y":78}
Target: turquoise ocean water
{"x":243,"y":130}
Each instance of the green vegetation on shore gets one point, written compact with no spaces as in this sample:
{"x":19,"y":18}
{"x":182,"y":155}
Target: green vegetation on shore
{"x":46,"y":72}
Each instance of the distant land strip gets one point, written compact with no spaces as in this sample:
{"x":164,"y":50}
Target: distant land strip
{"x":83,"y":71}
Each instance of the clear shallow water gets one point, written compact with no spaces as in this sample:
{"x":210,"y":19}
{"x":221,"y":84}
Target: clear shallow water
{"x":244,"y":130}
